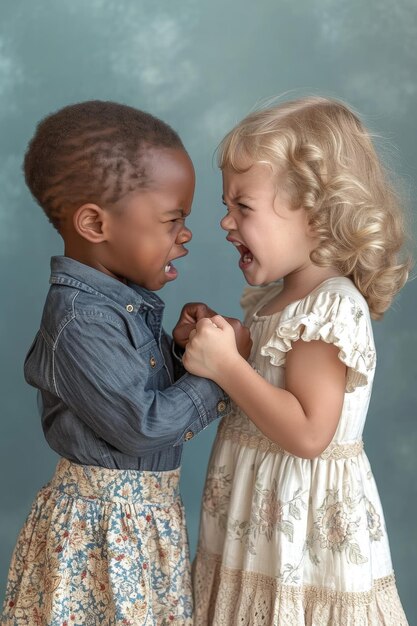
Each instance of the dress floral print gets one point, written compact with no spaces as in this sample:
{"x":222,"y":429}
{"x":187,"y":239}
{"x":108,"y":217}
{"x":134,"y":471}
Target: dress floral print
{"x":102,"y":546}
{"x":286,"y":541}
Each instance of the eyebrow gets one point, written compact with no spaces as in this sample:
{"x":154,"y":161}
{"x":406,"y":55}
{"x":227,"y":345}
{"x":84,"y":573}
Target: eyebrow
{"x":239,"y":196}
{"x":171,"y":212}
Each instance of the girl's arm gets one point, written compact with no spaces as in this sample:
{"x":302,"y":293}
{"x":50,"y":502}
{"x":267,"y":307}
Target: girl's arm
{"x":303,"y":417}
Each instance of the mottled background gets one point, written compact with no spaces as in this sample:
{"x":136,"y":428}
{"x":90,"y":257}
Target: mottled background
{"x":202,"y":66}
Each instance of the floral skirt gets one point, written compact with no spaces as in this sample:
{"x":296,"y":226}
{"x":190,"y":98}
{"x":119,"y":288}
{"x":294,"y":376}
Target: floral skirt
{"x":102,"y":547}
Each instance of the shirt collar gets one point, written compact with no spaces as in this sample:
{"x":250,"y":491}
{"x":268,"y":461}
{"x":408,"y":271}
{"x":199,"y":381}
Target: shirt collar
{"x":67,"y":271}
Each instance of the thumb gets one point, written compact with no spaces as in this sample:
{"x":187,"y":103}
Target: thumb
{"x":219,"y":321}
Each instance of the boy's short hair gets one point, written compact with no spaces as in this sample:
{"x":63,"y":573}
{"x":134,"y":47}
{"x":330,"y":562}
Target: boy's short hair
{"x":92,"y":151}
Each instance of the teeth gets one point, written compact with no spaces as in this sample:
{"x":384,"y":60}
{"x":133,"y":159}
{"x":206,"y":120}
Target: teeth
{"x":236,"y":244}
{"x":247,"y":258}
{"x":167,"y":268}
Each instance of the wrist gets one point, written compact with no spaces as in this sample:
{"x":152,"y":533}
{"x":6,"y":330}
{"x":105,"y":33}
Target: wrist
{"x":229,"y":370}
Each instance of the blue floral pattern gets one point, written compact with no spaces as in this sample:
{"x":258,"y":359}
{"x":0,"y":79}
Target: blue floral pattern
{"x":101,"y":547}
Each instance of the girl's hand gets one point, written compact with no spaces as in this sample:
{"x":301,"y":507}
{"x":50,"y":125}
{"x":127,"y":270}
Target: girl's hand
{"x":242,"y":337}
{"x":190,"y":314}
{"x":211,"y":348}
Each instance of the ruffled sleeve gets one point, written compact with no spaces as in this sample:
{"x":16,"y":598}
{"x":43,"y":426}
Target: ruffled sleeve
{"x":253,"y":298}
{"x":335,"y":318}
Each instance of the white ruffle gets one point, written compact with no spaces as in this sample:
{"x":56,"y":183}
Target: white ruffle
{"x":332,"y":317}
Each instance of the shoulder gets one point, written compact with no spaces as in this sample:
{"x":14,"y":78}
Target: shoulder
{"x":68,"y":310}
{"x":344,"y":287}
{"x":336,"y":300}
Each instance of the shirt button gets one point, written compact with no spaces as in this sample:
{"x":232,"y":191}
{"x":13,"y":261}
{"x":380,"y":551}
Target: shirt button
{"x":188,"y":435}
{"x":152,"y":361}
{"x":129,"y":308}
{"x":221,"y":406}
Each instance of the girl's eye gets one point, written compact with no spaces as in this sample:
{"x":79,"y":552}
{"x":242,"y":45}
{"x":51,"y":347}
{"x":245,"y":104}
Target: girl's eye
{"x":238,"y":205}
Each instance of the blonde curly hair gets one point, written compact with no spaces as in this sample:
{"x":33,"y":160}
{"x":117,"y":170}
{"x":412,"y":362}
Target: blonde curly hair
{"x":323,"y":157}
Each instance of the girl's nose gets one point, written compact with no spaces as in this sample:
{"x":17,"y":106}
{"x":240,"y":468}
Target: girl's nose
{"x":184,"y":236}
{"x":227,"y":222}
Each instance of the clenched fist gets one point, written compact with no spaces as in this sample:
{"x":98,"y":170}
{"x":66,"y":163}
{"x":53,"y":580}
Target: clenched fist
{"x":192,"y":312}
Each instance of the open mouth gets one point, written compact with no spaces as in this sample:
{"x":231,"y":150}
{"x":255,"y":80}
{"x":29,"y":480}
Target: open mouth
{"x":170,"y":270}
{"x":246,"y":256}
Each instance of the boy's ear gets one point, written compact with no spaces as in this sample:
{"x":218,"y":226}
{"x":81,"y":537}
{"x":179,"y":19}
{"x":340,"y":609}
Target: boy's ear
{"x":89,"y":221}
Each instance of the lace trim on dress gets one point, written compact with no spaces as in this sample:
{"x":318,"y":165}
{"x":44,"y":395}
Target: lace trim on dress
{"x":228,"y":597}
{"x":334,"y":451}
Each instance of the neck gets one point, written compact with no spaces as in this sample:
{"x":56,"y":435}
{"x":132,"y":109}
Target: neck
{"x":299,"y":284}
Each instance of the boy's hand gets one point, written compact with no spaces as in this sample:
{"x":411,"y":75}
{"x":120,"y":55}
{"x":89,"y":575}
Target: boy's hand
{"x":190,"y":314}
{"x":242,"y":336}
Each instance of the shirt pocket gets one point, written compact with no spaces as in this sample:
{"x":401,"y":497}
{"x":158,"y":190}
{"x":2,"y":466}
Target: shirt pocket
{"x":150,"y":358}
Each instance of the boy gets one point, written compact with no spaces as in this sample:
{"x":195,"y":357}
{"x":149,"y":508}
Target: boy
{"x":106,"y":539}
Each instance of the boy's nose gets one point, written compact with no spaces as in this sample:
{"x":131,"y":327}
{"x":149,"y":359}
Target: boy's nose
{"x":184,"y":236}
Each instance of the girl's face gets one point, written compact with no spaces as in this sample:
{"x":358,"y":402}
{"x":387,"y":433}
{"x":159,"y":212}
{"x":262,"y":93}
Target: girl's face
{"x":147,"y":231}
{"x":273,"y":239}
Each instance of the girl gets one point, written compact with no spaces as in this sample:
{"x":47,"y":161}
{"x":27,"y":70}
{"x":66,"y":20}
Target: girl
{"x":292,"y":531}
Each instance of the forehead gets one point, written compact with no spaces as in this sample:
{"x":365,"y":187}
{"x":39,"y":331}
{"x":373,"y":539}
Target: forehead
{"x":169,"y":167}
{"x":255,"y":175}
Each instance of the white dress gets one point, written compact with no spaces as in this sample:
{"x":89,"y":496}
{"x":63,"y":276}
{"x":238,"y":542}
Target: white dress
{"x":286,"y":541}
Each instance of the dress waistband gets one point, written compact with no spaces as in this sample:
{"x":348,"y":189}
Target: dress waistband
{"x":100,"y":483}
{"x":334,"y":451}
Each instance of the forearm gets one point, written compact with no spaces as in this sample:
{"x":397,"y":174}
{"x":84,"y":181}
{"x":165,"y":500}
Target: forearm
{"x":124,"y":394}
{"x":275,"y":411}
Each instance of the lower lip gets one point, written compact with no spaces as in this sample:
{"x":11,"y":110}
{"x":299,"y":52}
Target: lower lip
{"x":243,"y":265}
{"x":172,"y":274}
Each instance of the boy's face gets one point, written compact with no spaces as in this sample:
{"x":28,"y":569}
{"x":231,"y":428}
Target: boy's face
{"x":146,"y":229}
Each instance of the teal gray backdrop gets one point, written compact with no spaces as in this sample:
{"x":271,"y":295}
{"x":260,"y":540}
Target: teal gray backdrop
{"x":202,"y":66}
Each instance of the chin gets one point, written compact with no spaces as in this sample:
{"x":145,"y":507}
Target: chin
{"x":253,"y":282}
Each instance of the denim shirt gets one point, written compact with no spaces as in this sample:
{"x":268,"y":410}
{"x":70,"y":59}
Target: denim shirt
{"x":111,"y":392}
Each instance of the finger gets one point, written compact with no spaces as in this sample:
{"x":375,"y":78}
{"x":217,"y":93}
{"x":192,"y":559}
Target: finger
{"x":219,"y":321}
{"x":204,"y":311}
{"x":204,"y":322}
{"x":191,"y":311}
{"x":192,"y":334}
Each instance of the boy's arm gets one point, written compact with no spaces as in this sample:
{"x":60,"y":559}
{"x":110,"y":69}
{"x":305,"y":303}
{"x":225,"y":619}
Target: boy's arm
{"x":107,"y":383}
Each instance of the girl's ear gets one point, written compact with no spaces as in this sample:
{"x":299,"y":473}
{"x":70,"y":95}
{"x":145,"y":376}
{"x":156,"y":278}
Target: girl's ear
{"x":89,"y":221}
